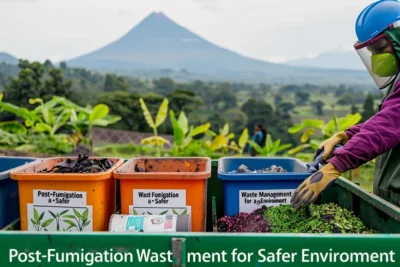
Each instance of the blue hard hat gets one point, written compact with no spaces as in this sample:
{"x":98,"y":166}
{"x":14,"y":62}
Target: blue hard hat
{"x":376,"y":18}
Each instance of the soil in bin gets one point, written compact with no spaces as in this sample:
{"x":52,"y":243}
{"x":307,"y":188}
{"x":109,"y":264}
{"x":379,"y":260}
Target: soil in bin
{"x":244,"y":169}
{"x":81,"y":165}
{"x":168,"y":165}
{"x":326,"y":218}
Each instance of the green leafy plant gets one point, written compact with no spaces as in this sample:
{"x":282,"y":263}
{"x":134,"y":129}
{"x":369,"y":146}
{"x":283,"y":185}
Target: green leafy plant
{"x":183,"y":134}
{"x":80,"y":219}
{"x":325,"y":218}
{"x":155,"y":140}
{"x":221,"y":140}
{"x":177,"y":213}
{"x":9,"y":139}
{"x":241,"y":145}
{"x":86,"y":118}
{"x":184,"y":212}
{"x":57,"y":217}
{"x":271,"y":148}
{"x":47,"y":120}
{"x":309,"y":128}
{"x":37,"y":221}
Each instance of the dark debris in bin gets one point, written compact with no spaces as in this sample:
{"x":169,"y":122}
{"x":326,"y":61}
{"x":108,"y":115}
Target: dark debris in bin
{"x":81,"y":165}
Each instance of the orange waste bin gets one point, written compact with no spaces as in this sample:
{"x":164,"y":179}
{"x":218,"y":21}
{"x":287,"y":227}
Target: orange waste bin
{"x":163,"y":186}
{"x":82,"y":202}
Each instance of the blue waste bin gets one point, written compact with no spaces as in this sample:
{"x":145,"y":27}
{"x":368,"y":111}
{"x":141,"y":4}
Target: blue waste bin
{"x":9,"y":197}
{"x":245,"y":192}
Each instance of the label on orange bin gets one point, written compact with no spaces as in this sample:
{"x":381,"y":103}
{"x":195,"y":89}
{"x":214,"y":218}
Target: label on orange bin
{"x":59,"y":198}
{"x":159,"y":198}
{"x":55,"y":210}
{"x":249,"y":200}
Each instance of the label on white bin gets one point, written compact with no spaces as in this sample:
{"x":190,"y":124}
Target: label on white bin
{"x":250,"y":200}
{"x":159,"y":198}
{"x":54,"y":210}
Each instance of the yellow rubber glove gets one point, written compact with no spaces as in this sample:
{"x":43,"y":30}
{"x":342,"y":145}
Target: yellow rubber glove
{"x":313,"y":186}
{"x":328,"y":145}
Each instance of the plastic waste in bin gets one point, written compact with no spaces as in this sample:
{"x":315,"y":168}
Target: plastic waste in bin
{"x":245,"y":192}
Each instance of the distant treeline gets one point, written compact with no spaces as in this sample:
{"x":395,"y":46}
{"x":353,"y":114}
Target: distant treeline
{"x":239,"y":104}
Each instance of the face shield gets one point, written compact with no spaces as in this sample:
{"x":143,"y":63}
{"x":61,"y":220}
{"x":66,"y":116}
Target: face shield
{"x":380,"y":59}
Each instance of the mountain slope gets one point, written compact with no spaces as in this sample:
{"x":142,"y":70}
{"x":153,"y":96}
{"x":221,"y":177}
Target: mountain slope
{"x":7,"y":58}
{"x":334,"y":59}
{"x":159,"y":43}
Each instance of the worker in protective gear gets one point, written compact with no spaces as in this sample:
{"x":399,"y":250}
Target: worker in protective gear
{"x":378,"y":33}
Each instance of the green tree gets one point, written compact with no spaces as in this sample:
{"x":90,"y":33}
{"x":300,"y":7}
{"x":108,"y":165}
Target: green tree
{"x":350,"y":99}
{"x":27,"y":85}
{"x":4,"y":80}
{"x":126,"y":105}
{"x":204,"y":91}
{"x":63,"y":65}
{"x":354,"y":109}
{"x":258,"y":112}
{"x":236,"y":118}
{"x":368,"y":108}
{"x":302,"y":98}
{"x":216,"y":120}
{"x":265,"y":88}
{"x":318,"y":106}
{"x":284,"y":108}
{"x":277,"y":100}
{"x":55,"y":85}
{"x":291,"y":88}
{"x":224,"y":99}
{"x":115,"y":83}
{"x":183,"y":100}
{"x":34,"y":82}
{"x":164,"y":85}
{"x":48,"y":65}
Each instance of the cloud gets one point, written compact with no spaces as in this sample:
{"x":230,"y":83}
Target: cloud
{"x":208,"y":4}
{"x":210,"y":7}
{"x":125,"y":13}
{"x":20,"y":1}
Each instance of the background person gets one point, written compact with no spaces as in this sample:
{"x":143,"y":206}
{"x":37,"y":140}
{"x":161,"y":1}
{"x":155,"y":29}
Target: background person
{"x":259,"y":136}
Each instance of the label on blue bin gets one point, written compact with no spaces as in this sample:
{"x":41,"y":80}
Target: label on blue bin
{"x":249,"y":200}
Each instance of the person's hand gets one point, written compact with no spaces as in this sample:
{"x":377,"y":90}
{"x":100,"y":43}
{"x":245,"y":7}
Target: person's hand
{"x":313,"y":186}
{"x":328,"y":145}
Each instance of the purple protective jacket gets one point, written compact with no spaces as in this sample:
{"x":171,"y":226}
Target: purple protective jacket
{"x":376,"y":136}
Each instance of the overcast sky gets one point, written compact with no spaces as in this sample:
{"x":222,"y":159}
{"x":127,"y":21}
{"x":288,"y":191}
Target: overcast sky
{"x":273,"y":30}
